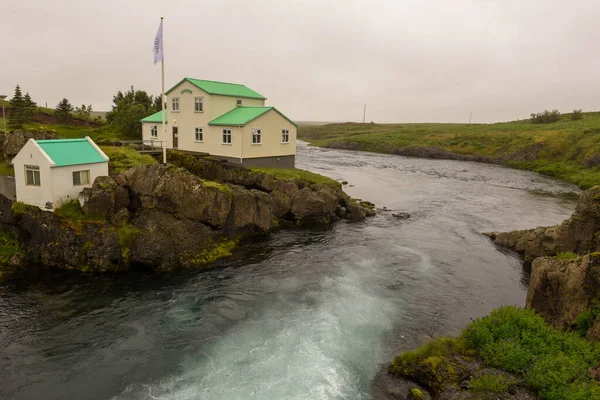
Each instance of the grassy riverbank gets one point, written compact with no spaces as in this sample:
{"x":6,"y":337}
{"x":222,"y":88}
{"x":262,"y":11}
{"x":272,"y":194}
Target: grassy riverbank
{"x":568,"y":150}
{"x":518,"y":342}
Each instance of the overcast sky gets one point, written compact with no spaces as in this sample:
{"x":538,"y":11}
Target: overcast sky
{"x":318,"y":60}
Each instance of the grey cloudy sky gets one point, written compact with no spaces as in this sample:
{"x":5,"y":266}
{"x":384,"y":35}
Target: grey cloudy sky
{"x":319,"y":60}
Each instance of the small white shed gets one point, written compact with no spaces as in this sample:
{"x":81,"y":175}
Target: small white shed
{"x":51,"y":172}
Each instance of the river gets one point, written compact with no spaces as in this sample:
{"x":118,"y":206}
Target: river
{"x":308,"y":314}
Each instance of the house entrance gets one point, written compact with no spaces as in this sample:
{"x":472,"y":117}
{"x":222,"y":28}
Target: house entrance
{"x":175,"y":137}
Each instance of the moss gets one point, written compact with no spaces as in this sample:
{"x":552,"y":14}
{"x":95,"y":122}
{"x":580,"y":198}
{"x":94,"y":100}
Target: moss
{"x":567,"y":256}
{"x":492,"y":383}
{"x":367,"y":204}
{"x":73,"y":215}
{"x":18,"y":208}
{"x":220,"y":186}
{"x":88,"y":246}
{"x":415,"y":394}
{"x":214,"y":252}
{"x":127,"y":234}
{"x":9,"y":247}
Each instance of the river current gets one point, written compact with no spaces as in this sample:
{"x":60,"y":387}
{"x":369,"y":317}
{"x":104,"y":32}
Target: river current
{"x":308,"y":314}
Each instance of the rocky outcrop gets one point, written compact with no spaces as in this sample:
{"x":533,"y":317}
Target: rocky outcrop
{"x":14,"y":141}
{"x":165,"y":217}
{"x":560,"y":290}
{"x":565,"y":271}
{"x":577,"y":234}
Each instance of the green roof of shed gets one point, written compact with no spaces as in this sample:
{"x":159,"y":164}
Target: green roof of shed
{"x":71,"y":151}
{"x":221,"y":88}
{"x":156,"y":117}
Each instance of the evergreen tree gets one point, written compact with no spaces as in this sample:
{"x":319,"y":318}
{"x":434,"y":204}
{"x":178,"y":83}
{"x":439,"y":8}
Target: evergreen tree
{"x":18,"y":112}
{"x":63,"y":110}
{"x":29,"y":106}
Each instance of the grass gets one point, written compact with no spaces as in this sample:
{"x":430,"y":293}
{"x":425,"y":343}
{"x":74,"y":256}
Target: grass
{"x":518,"y":341}
{"x":298,"y":174}
{"x":552,"y":362}
{"x":568,"y":150}
{"x":491,"y":383}
{"x":123,"y":158}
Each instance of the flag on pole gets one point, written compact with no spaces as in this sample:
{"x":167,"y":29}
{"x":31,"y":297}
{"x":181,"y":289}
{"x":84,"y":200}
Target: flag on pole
{"x":158,"y":45}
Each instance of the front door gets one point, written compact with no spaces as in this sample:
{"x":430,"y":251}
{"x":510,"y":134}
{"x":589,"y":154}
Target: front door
{"x":175,"y":137}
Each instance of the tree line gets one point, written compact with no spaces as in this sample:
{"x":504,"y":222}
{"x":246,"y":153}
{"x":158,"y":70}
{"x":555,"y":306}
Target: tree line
{"x":128,"y":109}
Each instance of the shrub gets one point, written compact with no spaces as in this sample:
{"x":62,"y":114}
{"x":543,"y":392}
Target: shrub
{"x":546,"y":117}
{"x":586,"y":319}
{"x":577,"y":115}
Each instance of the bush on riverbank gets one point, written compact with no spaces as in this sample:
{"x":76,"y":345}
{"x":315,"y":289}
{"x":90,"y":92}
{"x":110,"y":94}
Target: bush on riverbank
{"x":556,"y":364}
{"x":567,"y":149}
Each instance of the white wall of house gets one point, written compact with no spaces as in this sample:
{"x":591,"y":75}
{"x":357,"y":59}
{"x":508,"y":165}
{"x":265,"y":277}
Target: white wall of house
{"x":62,"y":180}
{"x":147,"y":133}
{"x":270,"y":124}
{"x":32,"y":155}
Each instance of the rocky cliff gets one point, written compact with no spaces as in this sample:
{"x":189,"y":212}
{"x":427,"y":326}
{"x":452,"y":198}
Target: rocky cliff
{"x":565,"y":271}
{"x":165,"y":217}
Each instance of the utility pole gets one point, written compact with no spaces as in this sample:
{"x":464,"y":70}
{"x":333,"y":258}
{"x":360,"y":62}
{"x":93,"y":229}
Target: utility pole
{"x":470,"y":116}
{"x":2,"y":97}
{"x":364,"y":113}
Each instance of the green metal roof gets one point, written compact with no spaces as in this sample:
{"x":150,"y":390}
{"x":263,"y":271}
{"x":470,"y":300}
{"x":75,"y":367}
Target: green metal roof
{"x":156,"y":117}
{"x":221,"y":88}
{"x":240,"y":116}
{"x":70,"y":151}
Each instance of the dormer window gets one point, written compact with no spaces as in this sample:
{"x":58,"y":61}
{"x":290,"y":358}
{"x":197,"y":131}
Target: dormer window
{"x":239,"y":102}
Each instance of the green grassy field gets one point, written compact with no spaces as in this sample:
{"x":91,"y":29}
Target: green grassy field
{"x":568,"y":150}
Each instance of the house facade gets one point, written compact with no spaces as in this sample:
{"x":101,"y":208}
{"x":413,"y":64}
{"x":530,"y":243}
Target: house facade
{"x":51,"y":172}
{"x":225,"y":120}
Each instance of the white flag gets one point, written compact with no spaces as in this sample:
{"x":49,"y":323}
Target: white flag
{"x":158,"y":45}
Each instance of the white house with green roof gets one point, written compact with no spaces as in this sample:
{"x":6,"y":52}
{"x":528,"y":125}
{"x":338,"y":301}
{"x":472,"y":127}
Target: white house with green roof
{"x":226,"y":120}
{"x":50,"y":172}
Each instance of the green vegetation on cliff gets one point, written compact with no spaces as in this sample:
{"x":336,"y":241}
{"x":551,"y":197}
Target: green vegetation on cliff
{"x":10,"y":248}
{"x":296,"y":174}
{"x":123,"y":158}
{"x":567,"y":149}
{"x":556,"y":364}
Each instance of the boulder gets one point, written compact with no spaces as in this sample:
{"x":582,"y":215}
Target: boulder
{"x":310,"y":205}
{"x":594,"y":334}
{"x":121,"y":217}
{"x":251,"y":210}
{"x":180,"y":192}
{"x":560,"y":290}
{"x":355,"y":211}
{"x":104,"y":198}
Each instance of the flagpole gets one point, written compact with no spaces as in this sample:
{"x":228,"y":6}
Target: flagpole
{"x":163,"y":98}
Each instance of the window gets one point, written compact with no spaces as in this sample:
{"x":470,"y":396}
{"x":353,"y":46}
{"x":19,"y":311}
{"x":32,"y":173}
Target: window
{"x":285,"y":136}
{"x":32,"y":175}
{"x":226,"y":136}
{"x":153,"y":131}
{"x":256,"y":133}
{"x":175,"y":104}
{"x":81,"y":177}
{"x":239,"y":102}
{"x":199,"y":135}
{"x":198,"y":107}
